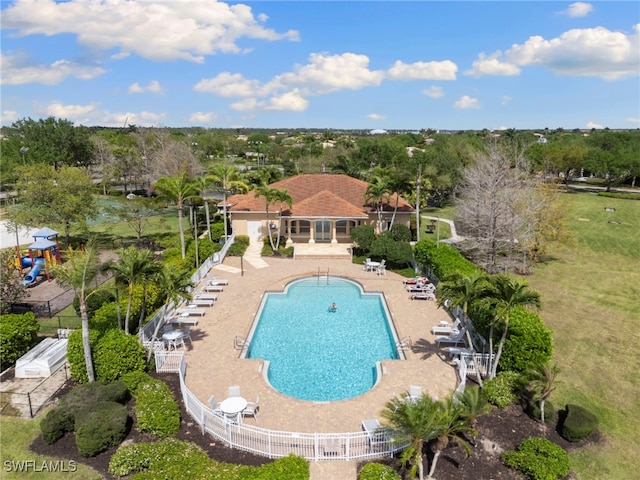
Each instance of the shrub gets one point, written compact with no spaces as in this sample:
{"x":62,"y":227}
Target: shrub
{"x":239,"y":246}
{"x":528,"y":342}
{"x":401,"y":233}
{"x":18,"y":333}
{"x":55,"y":424}
{"x":100,"y":426}
{"x":577,"y":423}
{"x":157,"y":411}
{"x":95,"y":392}
{"x":117,"y":353}
{"x":75,"y":354}
{"x":377,"y":471}
{"x":397,"y":254}
{"x":134,"y":379}
{"x":502,"y":390}
{"x":443,"y":260}
{"x":363,"y":236}
{"x":538,"y":459}
{"x":94,"y":300}
{"x":290,"y":467}
{"x":106,"y":317}
{"x":533,"y":410}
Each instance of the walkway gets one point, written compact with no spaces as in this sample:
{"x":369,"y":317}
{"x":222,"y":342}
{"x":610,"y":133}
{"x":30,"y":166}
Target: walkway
{"x":213,"y":364}
{"x":455,"y":238}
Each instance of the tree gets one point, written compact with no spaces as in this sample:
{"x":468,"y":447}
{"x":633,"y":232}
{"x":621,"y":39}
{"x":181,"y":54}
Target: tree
{"x":49,"y":196}
{"x":283,"y":198}
{"x":540,"y":380}
{"x":377,"y":192}
{"x":135,"y":267}
{"x":415,"y":421}
{"x":269,"y":195}
{"x":78,"y":271}
{"x":228,"y":178}
{"x":11,"y":288}
{"x":507,"y":294}
{"x":178,"y":189}
{"x":473,"y":403}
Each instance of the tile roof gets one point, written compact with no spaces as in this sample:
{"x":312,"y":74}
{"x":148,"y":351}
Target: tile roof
{"x":315,"y":195}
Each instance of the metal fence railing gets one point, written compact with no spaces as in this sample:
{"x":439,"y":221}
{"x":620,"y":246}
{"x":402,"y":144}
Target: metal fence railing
{"x":27,"y":398}
{"x":277,"y":443}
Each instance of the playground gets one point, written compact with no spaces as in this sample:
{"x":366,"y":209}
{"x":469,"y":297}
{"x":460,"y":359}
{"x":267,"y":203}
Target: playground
{"x":35,"y":264}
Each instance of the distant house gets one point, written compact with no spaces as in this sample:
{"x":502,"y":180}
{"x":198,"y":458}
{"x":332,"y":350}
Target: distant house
{"x":325,"y":208}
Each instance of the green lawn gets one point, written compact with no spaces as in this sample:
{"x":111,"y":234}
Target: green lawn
{"x":17,"y":435}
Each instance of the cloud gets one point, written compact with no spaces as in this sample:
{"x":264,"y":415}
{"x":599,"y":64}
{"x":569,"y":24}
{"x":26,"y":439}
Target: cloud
{"x":19,"y":70}
{"x":159,"y":31}
{"x":433,"y":92}
{"x":290,"y":101}
{"x":597,"y":126}
{"x":228,"y":84}
{"x":91,"y":115}
{"x":466,"y":102}
{"x":375,"y":116}
{"x":202,"y":118}
{"x":506,"y":99}
{"x":491,"y":65}
{"x":579,"y":9}
{"x":445,"y":70}
{"x":632,"y":120}
{"x":153,"y":87}
{"x":8,"y":116}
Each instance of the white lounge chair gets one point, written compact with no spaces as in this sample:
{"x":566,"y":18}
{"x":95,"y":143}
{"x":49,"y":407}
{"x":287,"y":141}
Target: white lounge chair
{"x":191,"y":312}
{"x":252,"y":409}
{"x":213,"y":288}
{"x":453,"y":339}
{"x":206,"y":296}
{"x":452,"y":329}
{"x":200,"y":302}
{"x":377,"y":436}
{"x":423,"y":296}
{"x":218,"y":281}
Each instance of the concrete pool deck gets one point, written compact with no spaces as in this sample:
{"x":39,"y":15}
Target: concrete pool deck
{"x":213,"y":364}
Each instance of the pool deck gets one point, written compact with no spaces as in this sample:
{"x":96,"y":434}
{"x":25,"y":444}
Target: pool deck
{"x":213,"y":364}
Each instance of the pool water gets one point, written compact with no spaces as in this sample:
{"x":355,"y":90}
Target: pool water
{"x":318,"y":354}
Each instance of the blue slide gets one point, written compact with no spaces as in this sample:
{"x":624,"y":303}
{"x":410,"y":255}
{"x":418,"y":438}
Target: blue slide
{"x":30,"y":279}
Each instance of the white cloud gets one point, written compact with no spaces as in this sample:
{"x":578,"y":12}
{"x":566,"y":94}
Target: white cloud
{"x":228,"y":84}
{"x":202,"y":118}
{"x":8,"y":116}
{"x":91,"y":115}
{"x":594,"y":52}
{"x":18,"y":70}
{"x":632,"y":120}
{"x":375,"y":116}
{"x":597,"y":126}
{"x":153,"y":87}
{"x":491,"y":65}
{"x":506,"y":99}
{"x":466,"y":101}
{"x":161,"y":31}
{"x":433,"y":92}
{"x":290,"y":101}
{"x":579,"y":9}
{"x":445,"y":70}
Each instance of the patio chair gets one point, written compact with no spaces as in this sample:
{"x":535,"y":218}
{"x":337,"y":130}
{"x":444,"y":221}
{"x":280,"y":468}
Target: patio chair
{"x":452,"y":329}
{"x":382,"y":269}
{"x":234,"y":391}
{"x":453,"y":339}
{"x":252,"y":409}
{"x":376,"y":435}
{"x":215,"y":406}
{"x":186,"y":333}
{"x":366,"y":265}
{"x":415,"y":392}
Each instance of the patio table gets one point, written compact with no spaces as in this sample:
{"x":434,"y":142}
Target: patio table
{"x":233,"y":407}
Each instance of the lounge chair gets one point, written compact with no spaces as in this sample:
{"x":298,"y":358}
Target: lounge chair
{"x":213,"y":288}
{"x":377,"y":436}
{"x":191,"y":312}
{"x":453,"y":339}
{"x":218,"y":281}
{"x":252,"y":409}
{"x":423,"y":296}
{"x":206,"y":296}
{"x":200,"y":302}
{"x":452,"y":329}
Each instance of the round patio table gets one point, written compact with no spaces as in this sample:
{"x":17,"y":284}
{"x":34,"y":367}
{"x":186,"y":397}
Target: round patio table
{"x":233,"y":407}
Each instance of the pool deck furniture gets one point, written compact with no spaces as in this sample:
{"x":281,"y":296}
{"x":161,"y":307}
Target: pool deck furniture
{"x":422,"y":296}
{"x":239,"y":343}
{"x":201,"y":302}
{"x":173,"y":339}
{"x":452,"y":329}
{"x":217,"y":281}
{"x":191,"y":312}
{"x":183,"y":321}
{"x":232,"y":407}
{"x":205,"y":296}
{"x":415,"y":392}
{"x":376,"y":434}
{"x":453,"y":339}
{"x":213,"y":288}
{"x":251,"y":410}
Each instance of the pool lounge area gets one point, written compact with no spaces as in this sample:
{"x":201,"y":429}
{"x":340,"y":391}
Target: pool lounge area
{"x":213,"y":364}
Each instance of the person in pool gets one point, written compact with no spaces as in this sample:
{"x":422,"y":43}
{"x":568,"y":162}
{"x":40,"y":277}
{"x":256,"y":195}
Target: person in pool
{"x":333,"y":307}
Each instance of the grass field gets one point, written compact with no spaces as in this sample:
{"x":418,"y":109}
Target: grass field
{"x":17,"y":434}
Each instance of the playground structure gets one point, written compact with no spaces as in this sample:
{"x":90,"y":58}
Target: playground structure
{"x":41,"y":254}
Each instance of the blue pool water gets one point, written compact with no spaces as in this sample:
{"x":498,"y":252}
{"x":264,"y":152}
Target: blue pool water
{"x":318,"y":354}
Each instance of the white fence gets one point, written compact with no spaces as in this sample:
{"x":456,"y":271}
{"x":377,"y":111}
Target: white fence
{"x":275,"y":443}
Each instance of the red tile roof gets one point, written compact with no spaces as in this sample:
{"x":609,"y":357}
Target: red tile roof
{"x":319,"y":195}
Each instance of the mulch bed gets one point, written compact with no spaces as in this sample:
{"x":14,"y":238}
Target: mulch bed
{"x":501,"y":430}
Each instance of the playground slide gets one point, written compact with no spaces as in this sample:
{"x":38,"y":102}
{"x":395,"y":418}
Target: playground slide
{"x":32,"y":276}
{"x":26,"y":261}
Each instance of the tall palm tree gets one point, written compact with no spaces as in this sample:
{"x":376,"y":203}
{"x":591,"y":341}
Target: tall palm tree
{"x":507,"y":295}
{"x":176,"y":285}
{"x":269,"y":195}
{"x":461,"y":290}
{"x":416,"y":422}
{"x":179,"y":189}
{"x":228,"y":177}
{"x":283,"y":198}
{"x":133,"y":268}
{"x":78,"y":271}
{"x":451,"y":424}
{"x":202,"y":183}
{"x":378,"y":191}
{"x":541,"y":379}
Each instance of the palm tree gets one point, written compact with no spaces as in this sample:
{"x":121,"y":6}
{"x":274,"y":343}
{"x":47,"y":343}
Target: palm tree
{"x":176,"y":285}
{"x":541,"y":379}
{"x":508,"y":294}
{"x":135,"y":267}
{"x":202,"y":183}
{"x":473,"y":403}
{"x":269,"y":195}
{"x":377,"y":191}
{"x":227,"y":177}
{"x":416,"y":422}
{"x":79,"y":270}
{"x":461,"y":290}
{"x":451,"y":424}
{"x":179,"y":189}
{"x":283,"y":198}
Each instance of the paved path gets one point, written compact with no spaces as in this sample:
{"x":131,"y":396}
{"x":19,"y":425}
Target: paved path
{"x":455,"y":238}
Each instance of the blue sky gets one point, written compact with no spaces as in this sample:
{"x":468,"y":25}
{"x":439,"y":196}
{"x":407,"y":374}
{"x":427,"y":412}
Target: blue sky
{"x":328,"y":64}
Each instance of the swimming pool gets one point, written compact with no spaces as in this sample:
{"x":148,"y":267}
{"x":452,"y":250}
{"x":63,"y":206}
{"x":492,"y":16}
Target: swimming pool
{"x":318,"y":354}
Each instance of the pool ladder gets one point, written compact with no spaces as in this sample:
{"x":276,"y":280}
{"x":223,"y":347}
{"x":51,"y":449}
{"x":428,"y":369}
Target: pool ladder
{"x":319,"y":275}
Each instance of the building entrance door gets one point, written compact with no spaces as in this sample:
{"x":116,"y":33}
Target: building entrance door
{"x":323,"y":231}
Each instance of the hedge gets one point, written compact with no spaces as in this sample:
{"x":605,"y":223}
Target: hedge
{"x":443,"y":260}
{"x":538,"y":459}
{"x":18,"y":334}
{"x":99,"y":426}
{"x":577,"y":423}
{"x":117,"y":353}
{"x":377,"y":471}
{"x":157,"y":411}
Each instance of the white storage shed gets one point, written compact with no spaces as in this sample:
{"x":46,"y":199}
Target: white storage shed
{"x":43,"y":359}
